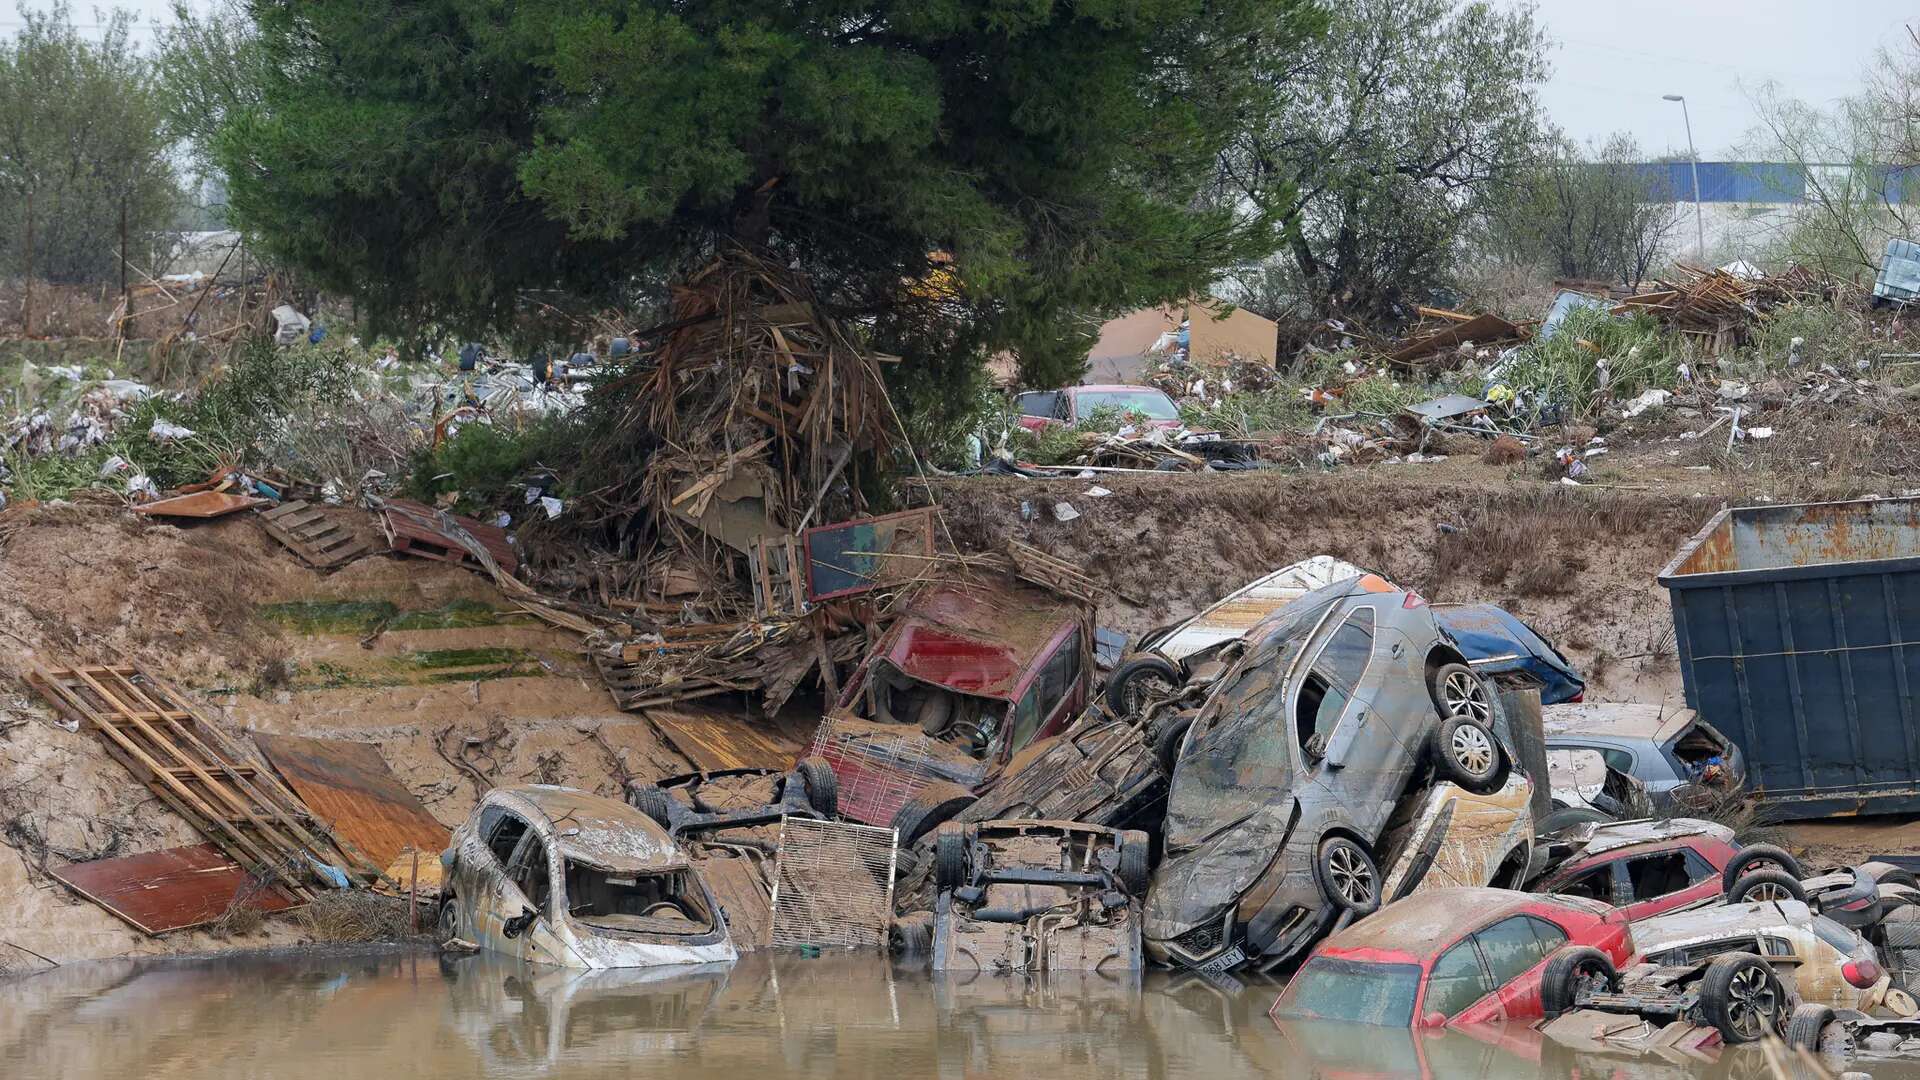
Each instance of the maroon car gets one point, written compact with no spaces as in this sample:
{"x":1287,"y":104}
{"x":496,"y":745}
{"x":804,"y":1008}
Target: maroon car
{"x":1653,"y":867}
{"x":967,"y":679}
{"x":1073,"y":404}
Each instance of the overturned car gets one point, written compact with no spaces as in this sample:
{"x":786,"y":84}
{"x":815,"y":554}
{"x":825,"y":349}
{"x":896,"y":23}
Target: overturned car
{"x":556,"y":876}
{"x":1291,"y":779}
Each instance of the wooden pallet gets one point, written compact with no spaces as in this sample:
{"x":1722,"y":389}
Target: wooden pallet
{"x":416,"y":529}
{"x":320,"y":541}
{"x":194,"y":768}
{"x":634,"y":690}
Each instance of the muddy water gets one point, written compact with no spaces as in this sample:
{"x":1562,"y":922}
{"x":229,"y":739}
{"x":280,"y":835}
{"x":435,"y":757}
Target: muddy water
{"x":418,"y":1017}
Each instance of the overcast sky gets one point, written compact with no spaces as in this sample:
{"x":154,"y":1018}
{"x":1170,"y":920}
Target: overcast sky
{"x":1613,"y":59}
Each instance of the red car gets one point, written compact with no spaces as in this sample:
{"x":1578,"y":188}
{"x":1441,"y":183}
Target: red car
{"x":1649,"y":868}
{"x":1449,"y":956}
{"x":1070,"y":405}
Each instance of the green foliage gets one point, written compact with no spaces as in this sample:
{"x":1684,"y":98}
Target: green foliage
{"x":488,"y":463}
{"x":440,"y":160}
{"x":81,"y":137}
{"x":1561,"y":371}
{"x":1282,"y":408}
{"x":1584,"y":215}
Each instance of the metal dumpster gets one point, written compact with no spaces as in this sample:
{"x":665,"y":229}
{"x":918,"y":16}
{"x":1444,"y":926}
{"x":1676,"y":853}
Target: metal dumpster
{"x":1798,"y":632}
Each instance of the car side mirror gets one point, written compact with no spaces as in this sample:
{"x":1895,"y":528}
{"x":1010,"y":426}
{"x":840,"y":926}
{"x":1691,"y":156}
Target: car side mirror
{"x":1433,"y":1020}
{"x":518,"y":925}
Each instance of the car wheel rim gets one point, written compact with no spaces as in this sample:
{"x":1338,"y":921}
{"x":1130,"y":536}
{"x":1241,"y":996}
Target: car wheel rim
{"x":1472,"y":749}
{"x":1751,"y":1002}
{"x":1465,"y":696}
{"x":1768,"y":892}
{"x":1352,"y":879}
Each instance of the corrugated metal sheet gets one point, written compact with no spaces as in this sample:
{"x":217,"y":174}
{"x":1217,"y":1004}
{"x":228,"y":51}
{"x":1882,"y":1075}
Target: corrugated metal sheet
{"x":349,"y":786}
{"x":158,"y":891}
{"x":713,"y":739}
{"x":1726,"y":181}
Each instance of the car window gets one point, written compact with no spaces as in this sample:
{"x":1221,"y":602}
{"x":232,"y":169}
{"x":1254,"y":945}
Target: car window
{"x":529,"y":870}
{"x":1651,"y":876}
{"x":1698,"y":868}
{"x":1594,"y":884}
{"x":1048,"y":688}
{"x":1773,"y":946}
{"x":1328,"y":689}
{"x":1458,"y":980}
{"x":1153,"y":403}
{"x":1353,"y":990}
{"x":1706,"y":950}
{"x":1835,"y":935}
{"x":1041,"y":403}
{"x":1550,"y":936}
{"x":504,"y":835}
{"x":1510,"y":948}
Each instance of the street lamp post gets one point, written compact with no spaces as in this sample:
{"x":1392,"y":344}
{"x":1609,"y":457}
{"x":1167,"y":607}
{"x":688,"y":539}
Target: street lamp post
{"x":1693,"y":159}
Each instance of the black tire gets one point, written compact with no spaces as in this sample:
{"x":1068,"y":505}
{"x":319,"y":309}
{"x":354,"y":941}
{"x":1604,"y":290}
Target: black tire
{"x":823,"y":787}
{"x":1466,"y":753}
{"x":1753,"y":854}
{"x":1567,"y":817}
{"x":949,"y":856}
{"x":1123,"y":696}
{"x":447,"y":923}
{"x":1742,"y":998}
{"x":1889,"y":874}
{"x":939,"y":801}
{"x":653,"y":801}
{"x":1806,"y":1024}
{"x":1347,"y":875}
{"x":912,"y":934}
{"x":1764,"y":885}
{"x":1458,"y":690}
{"x":1572,"y":972}
{"x":1900,"y":934}
{"x":1136,"y":851}
{"x":1166,"y":745}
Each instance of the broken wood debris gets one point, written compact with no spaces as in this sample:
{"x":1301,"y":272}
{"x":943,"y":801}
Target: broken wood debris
{"x":319,"y":539}
{"x":417,"y":529}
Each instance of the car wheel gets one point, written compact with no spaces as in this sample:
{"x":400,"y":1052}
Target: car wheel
{"x":1763,"y":886}
{"x":1135,"y":852}
{"x":1166,"y":745}
{"x":1806,"y":1024}
{"x":823,"y":787}
{"x":1572,"y":975}
{"x":1759,"y":857}
{"x":1140,"y":678}
{"x":1742,"y":998}
{"x":1348,"y":875}
{"x":1466,"y":753}
{"x":447,"y":925}
{"x":949,"y":855}
{"x":653,"y":801}
{"x":1567,"y":817}
{"x":939,"y":801}
{"x":1458,"y":691}
{"x":1889,"y":874}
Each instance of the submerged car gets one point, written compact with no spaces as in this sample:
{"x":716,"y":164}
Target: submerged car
{"x":1037,"y":896}
{"x":556,"y":876}
{"x":1450,"y":956}
{"x":1679,"y":758}
{"x":1340,"y":705}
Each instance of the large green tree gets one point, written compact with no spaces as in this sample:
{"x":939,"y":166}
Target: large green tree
{"x":448,"y":160}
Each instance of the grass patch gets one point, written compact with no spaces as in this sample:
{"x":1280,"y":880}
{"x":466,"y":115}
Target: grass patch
{"x":360,"y":617}
{"x":425,"y":667}
{"x":351,"y":915}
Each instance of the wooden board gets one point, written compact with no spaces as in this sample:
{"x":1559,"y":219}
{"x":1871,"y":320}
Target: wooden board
{"x":348,"y":786}
{"x":715,"y":739}
{"x":320,"y":539}
{"x":159,"y":891}
{"x":201,"y":504}
{"x":409,"y":533}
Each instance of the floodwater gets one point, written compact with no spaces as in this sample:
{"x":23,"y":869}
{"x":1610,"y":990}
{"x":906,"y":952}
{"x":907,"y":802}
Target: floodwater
{"x":413,"y":1016}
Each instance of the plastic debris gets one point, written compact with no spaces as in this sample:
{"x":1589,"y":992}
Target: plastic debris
{"x":1097,"y":492}
{"x":552,"y":506}
{"x":1651,"y":399}
{"x":165,"y":432}
{"x":290,"y":326}
{"x":1064,"y":511}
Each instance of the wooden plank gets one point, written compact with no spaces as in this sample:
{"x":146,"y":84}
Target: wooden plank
{"x":713,"y":739}
{"x":203,"y":504}
{"x":348,"y":785}
{"x":160,"y":891}
{"x":408,"y":533}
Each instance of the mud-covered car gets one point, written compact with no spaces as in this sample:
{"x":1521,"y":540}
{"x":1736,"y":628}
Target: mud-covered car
{"x":947,"y":697}
{"x":1450,"y":956}
{"x":556,"y":876}
{"x":1848,"y":1035}
{"x":1339,"y":706}
{"x":1034,"y":896}
{"x":1679,"y":758}
{"x":719,"y":800}
{"x":1650,"y":867}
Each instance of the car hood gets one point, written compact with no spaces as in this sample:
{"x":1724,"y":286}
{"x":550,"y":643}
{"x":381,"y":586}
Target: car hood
{"x":1196,"y":885}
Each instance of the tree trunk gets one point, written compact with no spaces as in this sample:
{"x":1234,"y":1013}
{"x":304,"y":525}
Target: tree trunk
{"x":26,"y":291}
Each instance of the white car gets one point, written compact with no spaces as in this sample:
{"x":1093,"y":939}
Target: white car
{"x":556,"y":876}
{"x":1824,"y":962}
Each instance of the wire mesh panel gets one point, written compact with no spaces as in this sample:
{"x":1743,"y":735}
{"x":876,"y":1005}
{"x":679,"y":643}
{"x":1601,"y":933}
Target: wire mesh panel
{"x":878,"y":770}
{"x":833,"y":884}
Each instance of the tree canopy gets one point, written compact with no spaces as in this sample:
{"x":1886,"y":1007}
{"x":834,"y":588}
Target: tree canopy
{"x":448,"y":159}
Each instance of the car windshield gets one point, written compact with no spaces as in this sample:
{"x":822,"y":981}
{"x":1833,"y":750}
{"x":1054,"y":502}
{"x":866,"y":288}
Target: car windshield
{"x":1155,"y":404}
{"x":1353,"y":990}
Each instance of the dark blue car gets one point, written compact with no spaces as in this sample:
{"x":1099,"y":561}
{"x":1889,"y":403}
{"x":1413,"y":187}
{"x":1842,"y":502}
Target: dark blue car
{"x":1495,"y":642}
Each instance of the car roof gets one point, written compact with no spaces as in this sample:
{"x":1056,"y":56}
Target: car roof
{"x":1710,"y":923}
{"x":1108,"y":387}
{"x":1419,"y":926}
{"x":592,"y":829}
{"x":1615,"y":720}
{"x":978,"y":641}
{"x":1602,"y":836}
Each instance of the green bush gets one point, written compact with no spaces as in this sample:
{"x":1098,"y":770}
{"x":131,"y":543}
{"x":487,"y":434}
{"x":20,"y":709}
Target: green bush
{"x":488,"y":463}
{"x":1564,"y":372}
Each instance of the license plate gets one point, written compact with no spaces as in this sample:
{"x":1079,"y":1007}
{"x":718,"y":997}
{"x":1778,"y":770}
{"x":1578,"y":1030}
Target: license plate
{"x":1226,"y":961}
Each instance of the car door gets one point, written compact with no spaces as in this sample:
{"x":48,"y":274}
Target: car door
{"x":514,"y":898}
{"x":1656,"y":882}
{"x":1332,"y":717}
{"x":1511,"y":954}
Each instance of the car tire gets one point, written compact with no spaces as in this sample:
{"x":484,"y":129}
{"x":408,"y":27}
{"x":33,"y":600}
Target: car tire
{"x":1132,"y":679}
{"x":949,"y":856}
{"x":1166,"y":745}
{"x":1466,"y":753}
{"x":1741,"y":997}
{"x":823,"y":787}
{"x":1572,"y":972}
{"x":939,"y":801}
{"x":1136,"y":852}
{"x":1567,"y":817}
{"x":1763,"y":885}
{"x":1806,"y":1024}
{"x":1889,"y":874}
{"x":1347,"y":875}
{"x":653,"y":801}
{"x":447,"y":923}
{"x":1754,"y":854}
{"x":1458,"y":690}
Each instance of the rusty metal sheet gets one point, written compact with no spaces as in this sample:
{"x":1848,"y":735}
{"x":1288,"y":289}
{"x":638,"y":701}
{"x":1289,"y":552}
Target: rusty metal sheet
{"x":714,"y":739}
{"x":349,"y":786}
{"x":202,"y":504}
{"x":417,"y":529}
{"x":158,"y":891}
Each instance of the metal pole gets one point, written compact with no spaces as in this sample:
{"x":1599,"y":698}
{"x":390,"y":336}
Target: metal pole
{"x":1693,"y":159}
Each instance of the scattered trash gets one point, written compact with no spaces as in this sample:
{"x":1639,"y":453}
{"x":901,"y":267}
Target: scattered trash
{"x":1650,"y":399}
{"x":1097,"y":492}
{"x":290,"y":327}
{"x":1064,"y":511}
{"x":164,"y":432}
